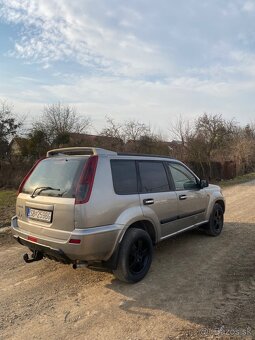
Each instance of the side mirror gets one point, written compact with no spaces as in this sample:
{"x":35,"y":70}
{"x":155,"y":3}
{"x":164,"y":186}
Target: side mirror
{"x":203,"y":183}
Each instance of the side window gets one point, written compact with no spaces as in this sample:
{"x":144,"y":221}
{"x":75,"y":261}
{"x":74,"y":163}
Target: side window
{"x":124,"y":177}
{"x":183,"y":179}
{"x":153,"y":177}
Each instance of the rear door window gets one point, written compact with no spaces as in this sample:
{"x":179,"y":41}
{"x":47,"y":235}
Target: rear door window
{"x":124,"y":177}
{"x":58,"y":173}
{"x":153,"y":177}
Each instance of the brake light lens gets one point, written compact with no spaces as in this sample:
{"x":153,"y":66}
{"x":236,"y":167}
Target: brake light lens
{"x":74,"y":241}
{"x":85,"y":184}
{"x":28,"y":175}
{"x":32,"y":239}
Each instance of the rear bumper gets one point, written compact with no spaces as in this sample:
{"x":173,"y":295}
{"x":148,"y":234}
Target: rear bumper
{"x":96,"y":244}
{"x":54,"y":254}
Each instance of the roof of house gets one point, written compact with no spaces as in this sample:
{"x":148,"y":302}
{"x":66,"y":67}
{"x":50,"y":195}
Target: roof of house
{"x":18,"y":140}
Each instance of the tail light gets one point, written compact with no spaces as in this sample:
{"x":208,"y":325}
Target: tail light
{"x":85,"y":184}
{"x":74,"y":241}
{"x":28,"y":175}
{"x":32,"y":239}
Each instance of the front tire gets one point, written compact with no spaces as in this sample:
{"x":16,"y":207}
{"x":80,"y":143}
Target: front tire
{"x":215,"y":225}
{"x":135,"y":256}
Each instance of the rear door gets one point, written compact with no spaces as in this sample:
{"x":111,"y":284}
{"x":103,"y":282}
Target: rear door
{"x":48,"y":196}
{"x":192,"y":201}
{"x":157,"y":198}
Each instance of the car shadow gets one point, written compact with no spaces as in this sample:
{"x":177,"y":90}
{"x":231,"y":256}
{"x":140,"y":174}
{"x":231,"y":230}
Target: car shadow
{"x":206,"y":280}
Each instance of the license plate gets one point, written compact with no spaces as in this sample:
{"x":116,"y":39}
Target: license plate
{"x":40,"y":215}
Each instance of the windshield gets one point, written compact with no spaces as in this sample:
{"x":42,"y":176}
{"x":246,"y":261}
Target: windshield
{"x":60,"y":173}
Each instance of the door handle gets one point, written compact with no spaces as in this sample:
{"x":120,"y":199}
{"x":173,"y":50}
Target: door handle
{"x":183,"y":197}
{"x":148,"y":201}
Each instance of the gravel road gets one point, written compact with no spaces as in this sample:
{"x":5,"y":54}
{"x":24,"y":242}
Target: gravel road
{"x":199,"y":287}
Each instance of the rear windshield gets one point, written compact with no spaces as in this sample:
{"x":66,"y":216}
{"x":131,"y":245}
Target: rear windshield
{"x":58,"y":173}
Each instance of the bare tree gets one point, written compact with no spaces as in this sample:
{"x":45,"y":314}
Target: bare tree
{"x":134,"y":130}
{"x":58,"y":121}
{"x":9,"y":126}
{"x":208,"y":139}
{"x":113,"y":129}
{"x":9,"y":123}
{"x":181,"y":129}
{"x":242,"y":149}
{"x":112,"y":135}
{"x":250,"y":129}
{"x":211,"y":139}
{"x":138,"y":136}
{"x":215,"y":131}
{"x":133,"y":136}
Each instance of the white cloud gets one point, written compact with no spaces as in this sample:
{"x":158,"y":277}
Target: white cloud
{"x":127,"y":59}
{"x":249,"y":6}
{"x":116,"y":39}
{"x":58,"y":30}
{"x":155,"y":103}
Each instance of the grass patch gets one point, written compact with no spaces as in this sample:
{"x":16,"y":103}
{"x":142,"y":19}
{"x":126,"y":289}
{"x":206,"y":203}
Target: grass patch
{"x":7,"y":206}
{"x":237,"y":180}
{"x":7,"y":198}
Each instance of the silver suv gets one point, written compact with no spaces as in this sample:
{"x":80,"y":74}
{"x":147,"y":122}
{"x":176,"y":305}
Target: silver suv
{"x":94,"y":207}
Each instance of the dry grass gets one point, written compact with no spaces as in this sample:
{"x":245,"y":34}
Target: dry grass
{"x":237,"y":180}
{"x":7,"y":206}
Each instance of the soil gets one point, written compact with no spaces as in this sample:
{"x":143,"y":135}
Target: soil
{"x":199,"y":287}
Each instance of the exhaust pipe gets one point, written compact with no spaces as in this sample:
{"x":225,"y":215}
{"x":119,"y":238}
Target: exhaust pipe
{"x":80,"y":265}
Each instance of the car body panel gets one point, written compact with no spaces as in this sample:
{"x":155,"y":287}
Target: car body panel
{"x":62,"y":210}
{"x":97,"y":244}
{"x":192,"y":209}
{"x":215,"y":195}
{"x":163,"y":211}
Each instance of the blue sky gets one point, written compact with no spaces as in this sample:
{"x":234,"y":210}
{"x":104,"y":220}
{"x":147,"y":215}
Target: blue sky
{"x":148,"y":60}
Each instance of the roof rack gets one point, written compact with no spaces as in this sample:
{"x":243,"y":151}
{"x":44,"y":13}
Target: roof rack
{"x":75,"y":151}
{"x":142,"y":155}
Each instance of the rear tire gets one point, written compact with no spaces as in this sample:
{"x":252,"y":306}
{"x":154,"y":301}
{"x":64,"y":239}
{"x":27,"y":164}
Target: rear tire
{"x":135,"y":256}
{"x":215,"y":225}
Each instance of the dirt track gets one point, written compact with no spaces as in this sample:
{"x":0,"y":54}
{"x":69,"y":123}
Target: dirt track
{"x":198,"y":287}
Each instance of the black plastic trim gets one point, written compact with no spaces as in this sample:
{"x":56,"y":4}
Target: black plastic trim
{"x":170,"y":219}
{"x":143,"y":155}
{"x":179,"y":217}
{"x":52,"y":253}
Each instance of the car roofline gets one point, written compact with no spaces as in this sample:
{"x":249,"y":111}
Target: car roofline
{"x":145,"y":155}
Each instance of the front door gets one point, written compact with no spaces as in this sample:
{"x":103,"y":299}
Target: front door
{"x":192,"y":201}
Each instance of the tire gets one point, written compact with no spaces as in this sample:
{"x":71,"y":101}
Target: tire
{"x":215,"y":225}
{"x":135,"y":256}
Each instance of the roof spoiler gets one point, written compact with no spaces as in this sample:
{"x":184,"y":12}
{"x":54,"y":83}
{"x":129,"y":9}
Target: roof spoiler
{"x":77,"y":151}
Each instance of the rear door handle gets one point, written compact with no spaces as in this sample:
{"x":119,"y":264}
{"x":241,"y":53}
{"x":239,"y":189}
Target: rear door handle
{"x":183,"y":197}
{"x":148,"y":201}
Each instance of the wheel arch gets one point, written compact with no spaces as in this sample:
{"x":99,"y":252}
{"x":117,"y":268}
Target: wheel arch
{"x":147,"y":226}
{"x":222,"y":204}
{"x":143,"y":224}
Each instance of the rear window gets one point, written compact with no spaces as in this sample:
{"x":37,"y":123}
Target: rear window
{"x":124,"y":177}
{"x":153,"y":177}
{"x":58,"y":173}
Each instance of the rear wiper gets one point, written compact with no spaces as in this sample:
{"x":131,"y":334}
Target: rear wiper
{"x":42,"y":189}
{"x":62,"y":193}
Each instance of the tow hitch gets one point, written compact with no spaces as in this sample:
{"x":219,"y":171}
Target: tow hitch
{"x":35,"y":256}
